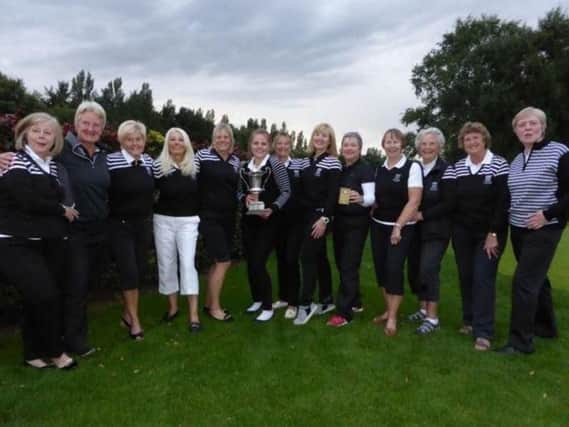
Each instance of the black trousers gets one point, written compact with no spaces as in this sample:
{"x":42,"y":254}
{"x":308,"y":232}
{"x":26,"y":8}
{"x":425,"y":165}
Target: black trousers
{"x":388,"y":259}
{"x":289,"y":238}
{"x":88,"y":257}
{"x":37,"y":269}
{"x":131,"y":240}
{"x":532,"y":304}
{"x":258,"y":242}
{"x":315,"y":264}
{"x":350,"y":234}
{"x":477,"y":276}
{"x":424,"y":266}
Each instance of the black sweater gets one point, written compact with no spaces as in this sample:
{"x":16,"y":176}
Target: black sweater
{"x":353,"y":177}
{"x":320,"y":181}
{"x":178,"y":194}
{"x":436,"y":203}
{"x":31,"y":202}
{"x":131,"y":195}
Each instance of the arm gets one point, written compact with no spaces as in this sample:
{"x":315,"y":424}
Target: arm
{"x":280,"y":176}
{"x":415,"y":193}
{"x":6,"y":160}
{"x":499,"y":219}
{"x":332,"y":194}
{"x":562,"y":206}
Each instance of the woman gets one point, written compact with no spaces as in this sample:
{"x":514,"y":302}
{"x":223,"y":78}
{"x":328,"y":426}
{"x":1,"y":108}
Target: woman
{"x":351,"y":225}
{"x":398,"y":190}
{"x":86,"y":162}
{"x":176,"y":223}
{"x":33,"y":227}
{"x":479,"y":228}
{"x":432,"y":232}
{"x":320,"y":180}
{"x":259,"y":230}
{"x":131,"y":197}
{"x":217,"y":171}
{"x":539,"y":191}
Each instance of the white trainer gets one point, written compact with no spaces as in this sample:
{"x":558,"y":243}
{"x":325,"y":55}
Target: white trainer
{"x":256,"y":306}
{"x":279,"y":304}
{"x":290,"y":313}
{"x":325,"y":308}
{"x":265,"y":316}
{"x":305,"y":313}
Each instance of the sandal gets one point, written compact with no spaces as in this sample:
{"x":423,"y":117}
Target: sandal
{"x":195,"y":327}
{"x":139,"y":336}
{"x":227,"y":317}
{"x":482,"y":344}
{"x":379,"y":319}
{"x":125,"y":323}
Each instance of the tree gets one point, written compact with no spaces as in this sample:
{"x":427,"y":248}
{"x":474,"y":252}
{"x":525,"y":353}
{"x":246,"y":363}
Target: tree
{"x":112,"y":100}
{"x":488,"y":69}
{"x":82,"y":87}
{"x":14,"y":97}
{"x":374,"y":156}
{"x":58,"y":96}
{"x":140,"y":105}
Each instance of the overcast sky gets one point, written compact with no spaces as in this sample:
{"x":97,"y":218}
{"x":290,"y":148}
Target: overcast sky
{"x":344,"y":62}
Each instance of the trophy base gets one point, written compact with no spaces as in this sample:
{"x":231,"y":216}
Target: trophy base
{"x":258,"y":212}
{"x":257,"y":208}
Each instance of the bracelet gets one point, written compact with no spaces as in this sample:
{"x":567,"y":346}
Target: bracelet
{"x":492,"y":234}
{"x":325,"y":219}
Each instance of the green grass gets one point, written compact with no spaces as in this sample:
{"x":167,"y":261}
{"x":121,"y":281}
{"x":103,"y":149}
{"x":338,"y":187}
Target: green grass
{"x":278,"y":374}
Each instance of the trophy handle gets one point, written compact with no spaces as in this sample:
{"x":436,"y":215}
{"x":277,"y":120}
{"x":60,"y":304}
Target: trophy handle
{"x":266,"y":177}
{"x":242,"y":174}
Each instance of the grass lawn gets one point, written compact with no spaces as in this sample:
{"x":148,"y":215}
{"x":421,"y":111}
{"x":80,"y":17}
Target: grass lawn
{"x":246,"y":373}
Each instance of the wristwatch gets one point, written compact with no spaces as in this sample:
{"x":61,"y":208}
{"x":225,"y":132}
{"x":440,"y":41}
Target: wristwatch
{"x":325,"y":219}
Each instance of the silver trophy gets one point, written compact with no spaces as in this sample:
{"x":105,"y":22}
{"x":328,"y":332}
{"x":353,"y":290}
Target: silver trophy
{"x":255,"y":182}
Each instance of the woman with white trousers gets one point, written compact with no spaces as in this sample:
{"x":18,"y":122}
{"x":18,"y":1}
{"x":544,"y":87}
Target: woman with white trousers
{"x":176,"y":223}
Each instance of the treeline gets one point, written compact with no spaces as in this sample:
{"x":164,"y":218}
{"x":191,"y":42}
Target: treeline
{"x":62,"y":99}
{"x":486,"y":70}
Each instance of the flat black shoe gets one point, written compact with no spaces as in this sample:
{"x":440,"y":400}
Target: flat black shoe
{"x":227,"y":317}
{"x":509,"y":349}
{"x":195,"y":327}
{"x":205,"y":309}
{"x":125,"y":323}
{"x":169,"y":317}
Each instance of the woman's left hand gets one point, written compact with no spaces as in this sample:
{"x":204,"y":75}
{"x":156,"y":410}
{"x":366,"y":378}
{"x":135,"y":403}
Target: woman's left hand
{"x":536,"y":221}
{"x":318,"y":229}
{"x":266,"y":214}
{"x":396,"y":235}
{"x":491,"y":245}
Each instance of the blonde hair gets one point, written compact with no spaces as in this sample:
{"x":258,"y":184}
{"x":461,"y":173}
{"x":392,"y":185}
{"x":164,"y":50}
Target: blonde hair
{"x":187,"y":166}
{"x":129,"y":127}
{"x":30,"y":120}
{"x":259,"y":131}
{"x":324,"y":128}
{"x":90,"y":107}
{"x":279,"y":135}
{"x":222,"y":127}
{"x":474,"y":127}
{"x":531,"y":111}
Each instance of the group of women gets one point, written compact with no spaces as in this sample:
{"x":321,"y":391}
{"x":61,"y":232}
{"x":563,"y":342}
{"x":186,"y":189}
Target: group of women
{"x":64,"y":201}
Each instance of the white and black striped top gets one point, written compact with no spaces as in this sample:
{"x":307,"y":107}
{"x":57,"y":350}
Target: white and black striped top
{"x":210,"y":155}
{"x":320,"y":182}
{"x":534,"y":182}
{"x":117,"y":160}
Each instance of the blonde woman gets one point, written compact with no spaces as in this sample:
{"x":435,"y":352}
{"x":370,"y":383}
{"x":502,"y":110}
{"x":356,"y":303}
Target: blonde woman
{"x":218,"y":175}
{"x":176,"y":223}
{"x":131,"y":198}
{"x":33,"y":243}
{"x":320,"y":181}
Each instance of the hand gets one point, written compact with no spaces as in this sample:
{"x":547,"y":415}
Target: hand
{"x":70,"y":213}
{"x":536,"y":221}
{"x":251,"y":197}
{"x":266,"y":214}
{"x":491,"y":246}
{"x":6,"y":160}
{"x":356,"y":197}
{"x":318,"y":229}
{"x":395,"y":235}
{"x":419,"y":216}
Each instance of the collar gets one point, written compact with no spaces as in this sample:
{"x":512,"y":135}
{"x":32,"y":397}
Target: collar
{"x":485,"y":161}
{"x":345,"y":165}
{"x":286,"y":162}
{"x":399,"y":164}
{"x":430,"y":165}
{"x":72,"y":139}
{"x":537,"y":146}
{"x":44,"y":164}
{"x":129,"y":159}
{"x":252,"y":167}
{"x":314,"y":159}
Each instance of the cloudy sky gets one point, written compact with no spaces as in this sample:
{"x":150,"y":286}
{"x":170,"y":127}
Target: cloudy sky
{"x":346,"y":62}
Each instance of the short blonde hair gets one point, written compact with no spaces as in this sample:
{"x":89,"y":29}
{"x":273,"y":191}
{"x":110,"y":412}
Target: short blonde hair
{"x":222,"y":127}
{"x":474,"y":127}
{"x":30,"y":120}
{"x":256,"y":132}
{"x":324,"y":128}
{"x":187,"y":166}
{"x":129,"y":127}
{"x":280,"y":135}
{"x":90,"y":107}
{"x":531,"y":111}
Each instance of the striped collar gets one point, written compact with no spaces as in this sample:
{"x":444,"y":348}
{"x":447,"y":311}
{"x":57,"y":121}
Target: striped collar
{"x":43,"y":164}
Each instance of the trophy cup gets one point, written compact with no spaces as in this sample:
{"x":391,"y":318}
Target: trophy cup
{"x":255,"y":182}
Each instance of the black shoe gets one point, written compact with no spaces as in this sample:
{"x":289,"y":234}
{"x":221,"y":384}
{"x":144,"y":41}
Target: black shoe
{"x":509,"y":349}
{"x":125,"y":323}
{"x":195,"y":327}
{"x":139,"y":336}
{"x":86,"y":352}
{"x":227,"y":317}
{"x":168,"y":318}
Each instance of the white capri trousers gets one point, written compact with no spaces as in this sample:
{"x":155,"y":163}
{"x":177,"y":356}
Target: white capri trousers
{"x":175,"y":238}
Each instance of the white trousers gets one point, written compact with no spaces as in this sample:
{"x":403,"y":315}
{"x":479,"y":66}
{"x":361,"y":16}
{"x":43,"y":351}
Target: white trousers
{"x":176,"y":238}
